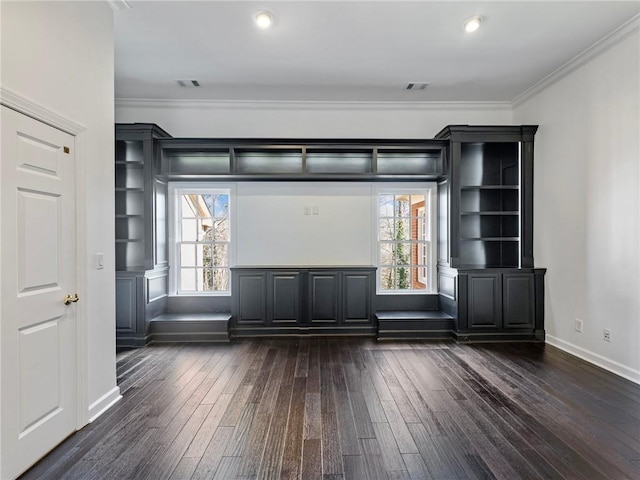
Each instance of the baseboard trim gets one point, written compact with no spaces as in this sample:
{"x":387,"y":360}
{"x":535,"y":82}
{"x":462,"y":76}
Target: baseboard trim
{"x":594,"y":358}
{"x":104,"y":403}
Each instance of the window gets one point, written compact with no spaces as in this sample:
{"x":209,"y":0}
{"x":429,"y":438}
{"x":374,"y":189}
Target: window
{"x":202,"y":239}
{"x":404,"y":241}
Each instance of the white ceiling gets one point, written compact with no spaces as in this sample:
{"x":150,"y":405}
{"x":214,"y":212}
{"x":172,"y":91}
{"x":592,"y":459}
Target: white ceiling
{"x":352,"y":50}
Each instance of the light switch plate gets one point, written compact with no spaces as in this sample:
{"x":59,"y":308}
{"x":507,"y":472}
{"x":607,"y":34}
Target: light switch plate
{"x":99,"y":261}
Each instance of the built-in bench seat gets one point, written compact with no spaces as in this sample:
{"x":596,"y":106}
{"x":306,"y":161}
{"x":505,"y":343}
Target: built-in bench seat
{"x":416,"y":325}
{"x":189,"y":327}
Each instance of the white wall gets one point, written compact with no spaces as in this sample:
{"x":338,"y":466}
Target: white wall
{"x":308,"y":120}
{"x":273,"y":229}
{"x":587,"y":206}
{"x":60,"y":56}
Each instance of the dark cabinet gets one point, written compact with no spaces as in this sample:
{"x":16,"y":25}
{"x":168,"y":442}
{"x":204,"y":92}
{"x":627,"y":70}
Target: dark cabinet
{"x":357,"y":297}
{"x":252,"y":298}
{"x":284,"y":290}
{"x":500,"y":302}
{"x":518,"y":298}
{"x":300,"y":300}
{"x":484,"y":300}
{"x":324,"y":298}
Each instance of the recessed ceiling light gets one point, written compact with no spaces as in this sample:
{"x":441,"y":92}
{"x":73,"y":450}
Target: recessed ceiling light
{"x":264,"y":19}
{"x":472,"y":24}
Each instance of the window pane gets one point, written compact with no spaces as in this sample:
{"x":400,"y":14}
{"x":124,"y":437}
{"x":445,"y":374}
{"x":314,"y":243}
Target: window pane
{"x":220,"y":279}
{"x":188,"y":255}
{"x":386,"y":229}
{"x":221,"y":206}
{"x":401,"y":206}
{"x":387,"y":254}
{"x":189,"y":230}
{"x":417,"y":201}
{"x":403,"y":229}
{"x":403,"y":253}
{"x":204,"y":230}
{"x":387,"y":279}
{"x":204,"y":279}
{"x":385,"y":203}
{"x":186,"y":208}
{"x":188,"y":279}
{"x":403,"y":278}
{"x":220,"y":230}
{"x":203,"y":253}
{"x":219,"y":256}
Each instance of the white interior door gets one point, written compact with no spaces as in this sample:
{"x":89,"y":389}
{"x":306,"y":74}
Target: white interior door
{"x":39,"y":393}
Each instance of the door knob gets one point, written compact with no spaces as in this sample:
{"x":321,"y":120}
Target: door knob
{"x":68,"y":300}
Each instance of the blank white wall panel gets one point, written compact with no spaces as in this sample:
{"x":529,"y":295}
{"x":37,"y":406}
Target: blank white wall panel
{"x":274,"y":230}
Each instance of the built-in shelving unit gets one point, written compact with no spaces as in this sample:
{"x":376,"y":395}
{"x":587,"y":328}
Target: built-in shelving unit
{"x":488,"y":288}
{"x":247,"y":159}
{"x":139,"y":262}
{"x":485,"y":270}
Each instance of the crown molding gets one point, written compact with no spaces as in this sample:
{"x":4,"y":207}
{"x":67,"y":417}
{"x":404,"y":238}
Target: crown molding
{"x":306,"y":105}
{"x":620,"y":34}
{"x":15,"y":101}
{"x":117,"y":5}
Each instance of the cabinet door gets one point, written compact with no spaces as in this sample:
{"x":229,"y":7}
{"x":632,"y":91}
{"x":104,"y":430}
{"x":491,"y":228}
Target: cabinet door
{"x":284,"y":298}
{"x":484,"y":300}
{"x":126,"y":305}
{"x":356,"y":304}
{"x":251,"y":305}
{"x":324,"y":290}
{"x":518,"y":300}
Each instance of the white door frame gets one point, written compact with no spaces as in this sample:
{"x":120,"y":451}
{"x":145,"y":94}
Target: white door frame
{"x":45,"y":115}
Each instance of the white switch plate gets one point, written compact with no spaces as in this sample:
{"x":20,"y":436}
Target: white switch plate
{"x":307,"y":210}
{"x":99,"y":261}
{"x":316,"y":210}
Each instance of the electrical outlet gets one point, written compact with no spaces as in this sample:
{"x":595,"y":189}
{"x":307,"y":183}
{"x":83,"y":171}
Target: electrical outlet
{"x":578,"y":325}
{"x":307,"y":210}
{"x":606,"y":335}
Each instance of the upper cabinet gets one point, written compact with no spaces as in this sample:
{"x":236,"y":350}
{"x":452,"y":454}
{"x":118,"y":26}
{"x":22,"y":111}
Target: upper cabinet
{"x":140,"y":200}
{"x":488,"y":190}
{"x":318,"y":159}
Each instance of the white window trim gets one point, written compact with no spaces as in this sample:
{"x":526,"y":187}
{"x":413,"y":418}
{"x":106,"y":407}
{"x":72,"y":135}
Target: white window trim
{"x":175,"y":189}
{"x":430,"y":190}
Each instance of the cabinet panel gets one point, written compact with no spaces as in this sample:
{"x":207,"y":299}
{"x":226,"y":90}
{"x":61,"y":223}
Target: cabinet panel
{"x":285,"y":298}
{"x":518,"y":298}
{"x":126,"y":318}
{"x":357,"y":298}
{"x":323,"y":297}
{"x":252,"y":308}
{"x":484,"y":301}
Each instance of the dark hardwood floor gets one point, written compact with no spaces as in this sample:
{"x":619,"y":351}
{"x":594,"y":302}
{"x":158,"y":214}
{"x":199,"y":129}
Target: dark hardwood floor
{"x":353,"y":408}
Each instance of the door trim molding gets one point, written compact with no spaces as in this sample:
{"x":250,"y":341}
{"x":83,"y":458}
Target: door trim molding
{"x":26,"y":106}
{"x":30,"y":108}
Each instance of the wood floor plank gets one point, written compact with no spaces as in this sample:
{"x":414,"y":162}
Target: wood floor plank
{"x":311,"y":459}
{"x":212,"y":456}
{"x":341,"y":408}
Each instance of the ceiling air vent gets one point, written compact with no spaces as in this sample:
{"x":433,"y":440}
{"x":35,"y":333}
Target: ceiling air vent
{"x":417,"y":85}
{"x":188,"y":83}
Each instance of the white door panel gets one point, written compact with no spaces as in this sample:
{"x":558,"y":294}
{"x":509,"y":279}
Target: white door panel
{"x":39,"y":369}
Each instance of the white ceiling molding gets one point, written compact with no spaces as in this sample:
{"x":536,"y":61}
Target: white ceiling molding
{"x":24,"y":105}
{"x":307,"y":105}
{"x":117,"y":5}
{"x":617,"y":36}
